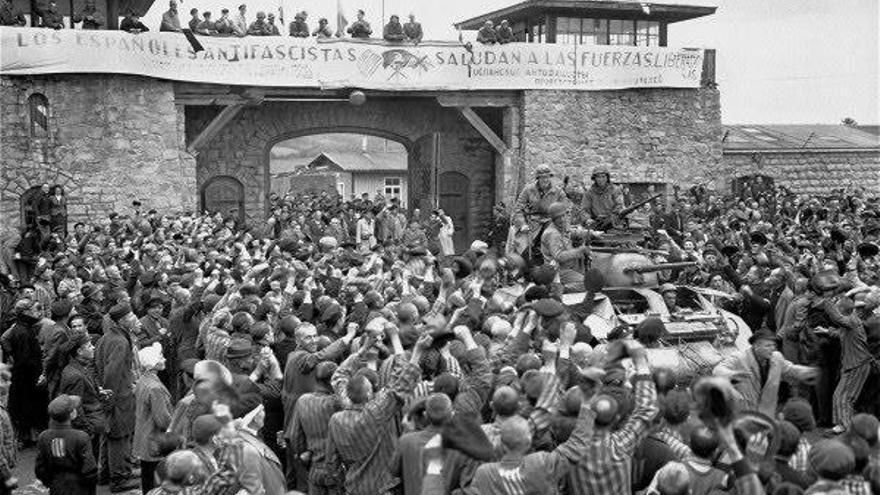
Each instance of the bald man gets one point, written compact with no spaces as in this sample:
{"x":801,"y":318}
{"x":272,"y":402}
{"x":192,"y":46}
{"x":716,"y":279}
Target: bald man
{"x":539,"y":472}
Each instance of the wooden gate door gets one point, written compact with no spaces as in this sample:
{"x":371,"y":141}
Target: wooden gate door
{"x":455,"y":201}
{"x":224,"y":194}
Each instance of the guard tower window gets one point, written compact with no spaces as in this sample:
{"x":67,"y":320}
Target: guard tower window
{"x":39,"y":111}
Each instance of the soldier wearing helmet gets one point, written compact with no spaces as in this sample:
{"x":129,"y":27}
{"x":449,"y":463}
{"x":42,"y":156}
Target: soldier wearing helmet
{"x":534,"y":203}
{"x":557,"y":249}
{"x":603,"y":200}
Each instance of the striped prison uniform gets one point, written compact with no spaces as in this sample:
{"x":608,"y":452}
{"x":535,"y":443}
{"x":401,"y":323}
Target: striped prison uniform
{"x":539,"y":472}
{"x":856,"y":363}
{"x":539,"y":417}
{"x":308,"y":432}
{"x":362,"y":437}
{"x":606,"y":469}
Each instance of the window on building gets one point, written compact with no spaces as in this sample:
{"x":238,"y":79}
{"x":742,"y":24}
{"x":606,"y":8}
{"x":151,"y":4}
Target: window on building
{"x":621,"y":32}
{"x":568,"y":30}
{"x":585,"y":31}
{"x":520,"y":33}
{"x":538,"y":31}
{"x":39,"y":110}
{"x":393,"y":187}
{"x":647,"y":33}
{"x":594,"y":32}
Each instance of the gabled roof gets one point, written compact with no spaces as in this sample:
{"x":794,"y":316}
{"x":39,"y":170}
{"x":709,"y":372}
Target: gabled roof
{"x":794,"y":137}
{"x":626,"y":9}
{"x":367,"y":161}
{"x":870,"y":129}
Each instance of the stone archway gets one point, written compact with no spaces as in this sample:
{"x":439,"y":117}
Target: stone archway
{"x":437,"y":139}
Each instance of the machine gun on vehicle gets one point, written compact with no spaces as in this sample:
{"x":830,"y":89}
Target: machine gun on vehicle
{"x":608,"y":223}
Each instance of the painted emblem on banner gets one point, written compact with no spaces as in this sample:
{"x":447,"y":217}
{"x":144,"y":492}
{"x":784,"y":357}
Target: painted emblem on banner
{"x":399,"y":62}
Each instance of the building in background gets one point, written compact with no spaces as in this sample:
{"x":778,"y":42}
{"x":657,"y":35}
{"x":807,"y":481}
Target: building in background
{"x":589,"y":22}
{"x":808,"y":159}
{"x":353,"y":174}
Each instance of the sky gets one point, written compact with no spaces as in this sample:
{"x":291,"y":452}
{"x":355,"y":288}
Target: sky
{"x":778,"y":61}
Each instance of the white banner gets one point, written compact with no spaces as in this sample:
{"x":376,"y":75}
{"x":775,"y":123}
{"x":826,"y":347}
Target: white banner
{"x":373,"y":64}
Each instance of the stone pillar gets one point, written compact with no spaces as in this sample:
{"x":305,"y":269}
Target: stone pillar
{"x":507,"y":167}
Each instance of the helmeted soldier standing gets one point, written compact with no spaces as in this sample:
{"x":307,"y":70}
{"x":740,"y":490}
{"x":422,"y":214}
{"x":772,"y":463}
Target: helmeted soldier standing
{"x":534,"y":203}
{"x":603,"y":200}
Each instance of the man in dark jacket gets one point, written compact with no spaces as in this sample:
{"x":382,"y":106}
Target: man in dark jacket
{"x":113,"y":367}
{"x":132,"y":24}
{"x":89,"y":16}
{"x":77,"y":380}
{"x":21,"y":347}
{"x":65,"y":462}
{"x":9,"y":15}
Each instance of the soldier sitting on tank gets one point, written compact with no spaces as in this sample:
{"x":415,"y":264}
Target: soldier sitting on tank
{"x":557,"y":250}
{"x":534,"y":202}
{"x":670,"y":297}
{"x":603,"y":201}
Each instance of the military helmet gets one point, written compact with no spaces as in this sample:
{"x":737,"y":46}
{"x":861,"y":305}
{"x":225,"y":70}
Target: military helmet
{"x":557,"y":210}
{"x":543,"y":170}
{"x":600,"y":171}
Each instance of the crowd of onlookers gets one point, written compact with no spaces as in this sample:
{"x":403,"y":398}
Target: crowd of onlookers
{"x":349,"y":347}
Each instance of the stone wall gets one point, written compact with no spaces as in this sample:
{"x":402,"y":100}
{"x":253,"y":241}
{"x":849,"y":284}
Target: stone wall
{"x":111,"y":140}
{"x":641,"y":135}
{"x":808,"y":171}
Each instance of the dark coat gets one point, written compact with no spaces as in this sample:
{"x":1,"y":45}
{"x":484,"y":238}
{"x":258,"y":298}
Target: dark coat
{"x":77,"y":380}
{"x":65,"y":462}
{"x":26,"y":405}
{"x":113,"y":365}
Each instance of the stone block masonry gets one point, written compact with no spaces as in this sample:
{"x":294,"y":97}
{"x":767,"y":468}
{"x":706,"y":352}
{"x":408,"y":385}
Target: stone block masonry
{"x":641,"y":135}
{"x":808,"y":171}
{"x":111,"y":139}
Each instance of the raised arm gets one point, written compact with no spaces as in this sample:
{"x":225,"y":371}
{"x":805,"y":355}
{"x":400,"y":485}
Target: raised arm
{"x":477,"y":383}
{"x":634,"y":430}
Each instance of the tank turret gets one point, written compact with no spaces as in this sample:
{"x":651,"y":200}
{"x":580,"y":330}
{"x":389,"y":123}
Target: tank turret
{"x":630,"y":267}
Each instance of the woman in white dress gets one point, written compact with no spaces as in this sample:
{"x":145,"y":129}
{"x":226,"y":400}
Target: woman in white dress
{"x":365,"y":235}
{"x":445,"y":234}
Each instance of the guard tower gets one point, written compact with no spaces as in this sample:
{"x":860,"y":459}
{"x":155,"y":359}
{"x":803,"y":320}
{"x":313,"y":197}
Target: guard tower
{"x":590,"y":22}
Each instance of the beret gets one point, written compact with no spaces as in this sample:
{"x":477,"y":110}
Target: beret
{"x":832,"y":459}
{"x":205,"y":427}
{"x":548,"y":308}
{"x":61,"y":308}
{"x":543,"y":274}
{"x":119,"y":310}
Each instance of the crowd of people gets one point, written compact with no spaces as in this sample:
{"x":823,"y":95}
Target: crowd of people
{"x":349,"y":347}
{"x":205,"y":24}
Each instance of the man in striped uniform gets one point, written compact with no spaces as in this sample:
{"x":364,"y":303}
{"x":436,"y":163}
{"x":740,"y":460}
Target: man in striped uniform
{"x":307,"y":434}
{"x":606,"y":467}
{"x":362,"y":437}
{"x":856,"y":361}
{"x":299,"y":378}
